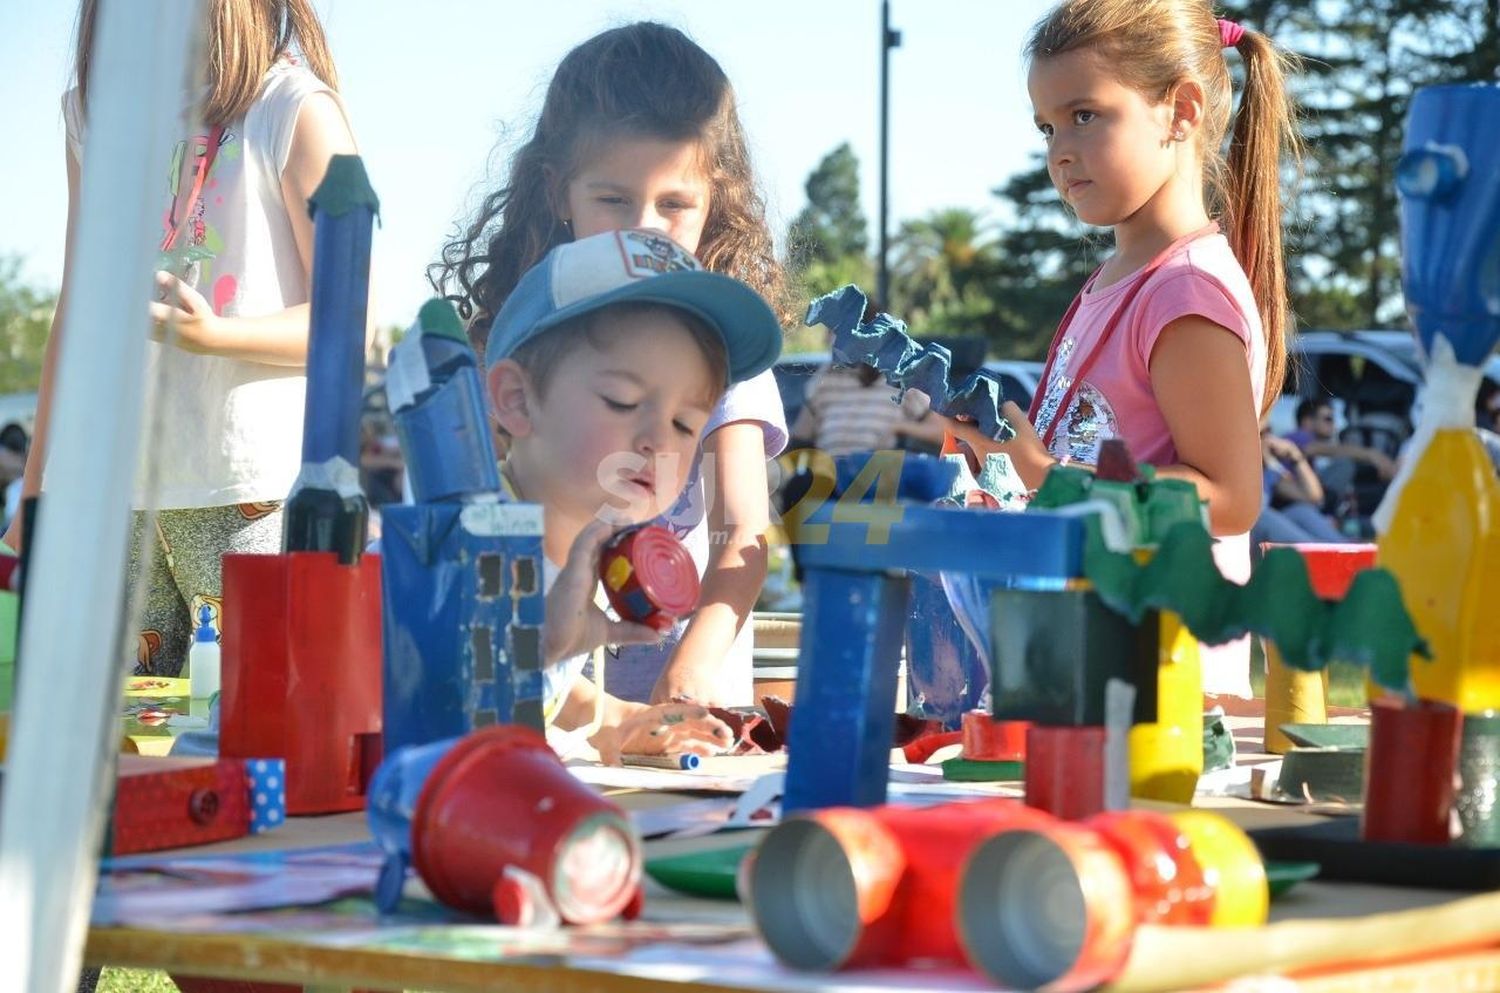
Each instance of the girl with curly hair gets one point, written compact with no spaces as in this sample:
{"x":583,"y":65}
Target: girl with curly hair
{"x":639,"y":129}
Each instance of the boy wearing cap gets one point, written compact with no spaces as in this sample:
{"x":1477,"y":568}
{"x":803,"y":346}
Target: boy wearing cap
{"x":604,"y":365}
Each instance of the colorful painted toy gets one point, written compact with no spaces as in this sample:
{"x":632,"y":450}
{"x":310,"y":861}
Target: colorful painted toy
{"x":649,"y":577}
{"x":882,"y":343}
{"x":326,"y":510}
{"x":463,"y":608}
{"x":495,"y":824}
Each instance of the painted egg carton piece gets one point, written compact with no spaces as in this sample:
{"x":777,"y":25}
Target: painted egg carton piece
{"x":882,"y":342}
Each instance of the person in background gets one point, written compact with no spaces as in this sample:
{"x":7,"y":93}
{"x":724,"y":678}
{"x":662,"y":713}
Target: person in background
{"x":1293,"y":498}
{"x":852,"y":409}
{"x":226,"y":366}
{"x":1337,"y":463}
{"x":640,"y":129}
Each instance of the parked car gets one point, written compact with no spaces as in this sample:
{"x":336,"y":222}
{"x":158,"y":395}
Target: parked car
{"x":1019,"y":379}
{"x":1371,"y":376}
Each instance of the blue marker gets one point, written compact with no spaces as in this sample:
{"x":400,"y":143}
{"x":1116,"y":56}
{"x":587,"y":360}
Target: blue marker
{"x":686,"y":763}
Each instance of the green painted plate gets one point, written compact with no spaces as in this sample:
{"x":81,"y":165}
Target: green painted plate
{"x":1282,"y":876}
{"x":712,"y":873}
{"x":1328,"y":735}
{"x":708,"y":873}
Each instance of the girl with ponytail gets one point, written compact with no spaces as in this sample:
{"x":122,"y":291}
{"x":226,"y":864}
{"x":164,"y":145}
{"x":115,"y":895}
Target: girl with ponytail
{"x":228,"y":318}
{"x":1178,"y":343}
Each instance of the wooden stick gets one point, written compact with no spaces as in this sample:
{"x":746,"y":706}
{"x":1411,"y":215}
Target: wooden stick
{"x":1171,"y":958}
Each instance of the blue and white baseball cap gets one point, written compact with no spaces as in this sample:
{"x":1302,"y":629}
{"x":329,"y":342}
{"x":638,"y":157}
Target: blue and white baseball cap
{"x":636,"y":265}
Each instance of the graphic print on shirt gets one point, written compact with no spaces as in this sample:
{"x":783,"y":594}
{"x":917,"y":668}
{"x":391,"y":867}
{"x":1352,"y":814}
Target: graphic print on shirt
{"x":1089,"y":420}
{"x":197,"y":243}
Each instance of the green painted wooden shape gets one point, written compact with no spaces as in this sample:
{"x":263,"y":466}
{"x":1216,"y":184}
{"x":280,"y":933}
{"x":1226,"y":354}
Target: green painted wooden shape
{"x":708,"y":873}
{"x":1328,"y":735}
{"x":962,"y":770}
{"x":1369,"y":627}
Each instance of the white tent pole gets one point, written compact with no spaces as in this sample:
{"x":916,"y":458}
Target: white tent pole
{"x":67,"y":720}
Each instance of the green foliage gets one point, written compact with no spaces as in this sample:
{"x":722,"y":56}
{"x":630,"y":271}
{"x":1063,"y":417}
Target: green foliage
{"x":831,"y":228}
{"x":117,"y":980}
{"x":25,"y":319}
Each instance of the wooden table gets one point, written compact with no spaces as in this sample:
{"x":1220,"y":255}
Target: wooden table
{"x":681,"y":943}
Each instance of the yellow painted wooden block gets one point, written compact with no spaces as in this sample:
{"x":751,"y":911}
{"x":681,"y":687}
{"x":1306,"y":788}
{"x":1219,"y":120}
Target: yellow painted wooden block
{"x":1444,"y":546}
{"x":1166,"y":757}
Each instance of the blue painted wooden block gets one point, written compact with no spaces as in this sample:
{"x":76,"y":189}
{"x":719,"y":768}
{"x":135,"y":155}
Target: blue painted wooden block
{"x":462,"y":590}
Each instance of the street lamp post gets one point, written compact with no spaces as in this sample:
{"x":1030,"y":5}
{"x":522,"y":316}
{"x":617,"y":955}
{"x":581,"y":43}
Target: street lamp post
{"x":889,"y":39}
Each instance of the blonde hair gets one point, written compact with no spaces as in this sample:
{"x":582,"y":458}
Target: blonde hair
{"x":245,"y":38}
{"x":1153,"y":45}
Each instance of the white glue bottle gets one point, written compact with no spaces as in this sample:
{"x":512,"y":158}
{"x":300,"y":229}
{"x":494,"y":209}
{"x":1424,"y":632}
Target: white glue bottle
{"x":203,"y":657}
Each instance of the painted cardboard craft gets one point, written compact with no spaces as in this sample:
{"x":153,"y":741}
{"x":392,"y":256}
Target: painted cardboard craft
{"x":882,"y":343}
{"x":301,"y":672}
{"x":163,"y":803}
{"x":326,"y":511}
{"x":463,"y":607}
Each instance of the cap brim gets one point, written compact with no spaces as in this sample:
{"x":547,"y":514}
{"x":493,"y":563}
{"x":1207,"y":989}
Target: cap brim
{"x":743,"y":320}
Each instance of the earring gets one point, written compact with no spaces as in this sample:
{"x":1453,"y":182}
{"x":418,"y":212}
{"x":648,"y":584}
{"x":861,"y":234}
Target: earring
{"x":1178,"y":134}
{"x":567,"y":222}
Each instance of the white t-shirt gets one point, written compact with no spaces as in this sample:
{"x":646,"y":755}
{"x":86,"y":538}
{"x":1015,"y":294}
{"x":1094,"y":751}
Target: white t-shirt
{"x":633,"y":669}
{"x":230,"y":431}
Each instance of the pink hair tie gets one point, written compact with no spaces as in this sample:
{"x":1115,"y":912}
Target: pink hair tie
{"x":1230,"y":32}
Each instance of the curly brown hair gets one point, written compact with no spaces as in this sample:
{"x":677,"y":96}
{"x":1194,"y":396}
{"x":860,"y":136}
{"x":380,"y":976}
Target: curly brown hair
{"x":644,"y":80}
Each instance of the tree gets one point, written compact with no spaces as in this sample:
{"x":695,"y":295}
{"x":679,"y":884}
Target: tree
{"x":1043,"y":256}
{"x":831,"y":227}
{"x":943,"y":266}
{"x":25,"y":318}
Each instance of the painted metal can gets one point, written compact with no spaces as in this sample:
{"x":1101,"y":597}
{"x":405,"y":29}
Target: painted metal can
{"x":1065,"y":770}
{"x":1479,"y":781}
{"x":500,"y":800}
{"x":1050,"y":907}
{"x":649,"y":577}
{"x":844,"y":887}
{"x":1232,"y":868}
{"x":1410,"y":767}
{"x":989,"y":740}
{"x":1167,"y":879}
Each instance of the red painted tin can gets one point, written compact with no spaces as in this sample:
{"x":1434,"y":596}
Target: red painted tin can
{"x":989,"y":740}
{"x":501,"y":798}
{"x":649,"y":577}
{"x":1048,"y":908}
{"x":843,"y":888}
{"x":1168,"y":882}
{"x":1409,"y":771}
{"x":302,"y":673}
{"x":1065,"y":770}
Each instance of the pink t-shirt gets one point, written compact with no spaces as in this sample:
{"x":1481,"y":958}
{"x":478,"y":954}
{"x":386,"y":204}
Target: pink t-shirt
{"x":1201,"y":277}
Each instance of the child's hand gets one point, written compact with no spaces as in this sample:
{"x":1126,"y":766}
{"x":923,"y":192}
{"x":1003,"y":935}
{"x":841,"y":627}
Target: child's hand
{"x":575,"y":624}
{"x":669,"y":729}
{"x":1026,"y":451}
{"x":178,"y":303}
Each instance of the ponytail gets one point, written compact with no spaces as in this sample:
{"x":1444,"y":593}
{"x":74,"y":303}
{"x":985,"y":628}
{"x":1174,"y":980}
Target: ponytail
{"x":1264,"y":128}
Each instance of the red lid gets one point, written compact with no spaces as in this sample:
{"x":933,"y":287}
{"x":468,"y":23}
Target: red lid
{"x":665,"y":570}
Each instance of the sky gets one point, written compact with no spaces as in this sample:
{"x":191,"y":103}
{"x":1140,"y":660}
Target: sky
{"x":438,"y":97}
